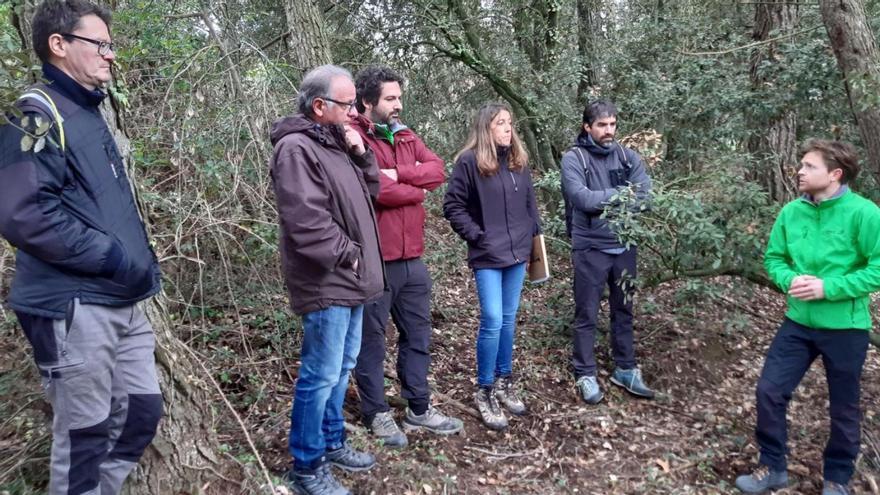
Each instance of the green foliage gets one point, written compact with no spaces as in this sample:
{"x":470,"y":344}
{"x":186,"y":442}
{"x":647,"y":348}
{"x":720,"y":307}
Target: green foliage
{"x":16,"y":68}
{"x":701,"y":225}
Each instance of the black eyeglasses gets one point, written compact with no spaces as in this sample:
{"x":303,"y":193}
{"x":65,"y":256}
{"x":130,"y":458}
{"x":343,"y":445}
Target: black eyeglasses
{"x":103,"y":47}
{"x":349,"y":106}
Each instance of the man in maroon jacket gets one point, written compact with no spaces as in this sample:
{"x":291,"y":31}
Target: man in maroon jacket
{"x":408,"y":170}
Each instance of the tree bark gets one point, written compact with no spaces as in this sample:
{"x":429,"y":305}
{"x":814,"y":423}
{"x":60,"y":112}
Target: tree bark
{"x":855,"y":48}
{"x":775,"y":144}
{"x":22,"y":14}
{"x":183,"y":456}
{"x":587,"y":27}
{"x":309,"y":45}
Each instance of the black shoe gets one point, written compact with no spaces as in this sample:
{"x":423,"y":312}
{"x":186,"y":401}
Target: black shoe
{"x":349,"y":459}
{"x":319,"y":481}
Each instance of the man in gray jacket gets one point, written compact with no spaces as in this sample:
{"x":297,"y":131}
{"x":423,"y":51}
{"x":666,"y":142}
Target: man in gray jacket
{"x":593,"y":171}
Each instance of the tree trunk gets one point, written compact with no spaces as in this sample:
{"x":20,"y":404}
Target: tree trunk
{"x":309,"y":46}
{"x":857,"y":55}
{"x":183,"y":456}
{"x":775,"y":144}
{"x":22,"y":14}
{"x":587,"y":11}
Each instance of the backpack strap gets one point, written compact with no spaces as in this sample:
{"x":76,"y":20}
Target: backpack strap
{"x":583,"y":161}
{"x":624,"y":160}
{"x":45,"y":101}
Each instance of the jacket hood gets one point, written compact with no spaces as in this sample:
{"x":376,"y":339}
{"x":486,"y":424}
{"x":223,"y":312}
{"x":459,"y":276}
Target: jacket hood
{"x":327,"y":135}
{"x":586,"y":141}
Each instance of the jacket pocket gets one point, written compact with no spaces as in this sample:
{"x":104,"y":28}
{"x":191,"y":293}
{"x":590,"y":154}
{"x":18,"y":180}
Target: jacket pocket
{"x":67,"y":362}
{"x":359,"y":269}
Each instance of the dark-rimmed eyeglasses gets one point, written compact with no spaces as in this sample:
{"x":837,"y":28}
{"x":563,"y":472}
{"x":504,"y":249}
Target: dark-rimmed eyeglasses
{"x":349,"y":106}
{"x":103,"y":47}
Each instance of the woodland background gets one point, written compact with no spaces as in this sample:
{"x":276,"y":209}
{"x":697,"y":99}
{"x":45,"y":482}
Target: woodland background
{"x":715,"y":94}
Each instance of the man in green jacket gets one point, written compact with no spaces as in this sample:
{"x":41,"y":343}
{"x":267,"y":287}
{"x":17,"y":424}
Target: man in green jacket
{"x":824,"y":252}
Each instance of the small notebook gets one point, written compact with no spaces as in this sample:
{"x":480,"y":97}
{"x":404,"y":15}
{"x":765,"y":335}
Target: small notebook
{"x":539,"y":267}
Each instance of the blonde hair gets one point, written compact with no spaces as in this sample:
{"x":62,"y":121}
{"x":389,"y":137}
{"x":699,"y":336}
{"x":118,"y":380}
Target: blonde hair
{"x":481,"y":142}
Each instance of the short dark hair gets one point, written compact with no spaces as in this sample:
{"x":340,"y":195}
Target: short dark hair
{"x":599,"y":109}
{"x":368,"y":83}
{"x":61,"y":16}
{"x":837,"y":155}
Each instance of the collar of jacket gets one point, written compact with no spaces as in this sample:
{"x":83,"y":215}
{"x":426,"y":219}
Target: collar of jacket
{"x":586,"y":141}
{"x":381,"y":131}
{"x":330,"y":135}
{"x":827,"y":202}
{"x":503,"y":153}
{"x":65,"y":84}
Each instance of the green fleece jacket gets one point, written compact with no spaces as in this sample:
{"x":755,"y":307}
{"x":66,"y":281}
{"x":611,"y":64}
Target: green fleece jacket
{"x":837,"y":240}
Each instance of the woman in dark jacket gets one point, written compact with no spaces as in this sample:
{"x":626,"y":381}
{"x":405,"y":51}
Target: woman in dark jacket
{"x":491,"y":205}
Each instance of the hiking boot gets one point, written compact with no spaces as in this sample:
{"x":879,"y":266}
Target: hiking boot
{"x":588,"y":388}
{"x":433,"y":421}
{"x":507,"y":396}
{"x":832,"y":488}
{"x":490,"y":409}
{"x":385,"y":428}
{"x":318,"y":482}
{"x":632,"y":381}
{"x":762,"y":480}
{"x":349,"y":459}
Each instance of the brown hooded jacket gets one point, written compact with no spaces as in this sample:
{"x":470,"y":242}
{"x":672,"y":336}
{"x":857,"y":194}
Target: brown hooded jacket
{"x":325,"y":207}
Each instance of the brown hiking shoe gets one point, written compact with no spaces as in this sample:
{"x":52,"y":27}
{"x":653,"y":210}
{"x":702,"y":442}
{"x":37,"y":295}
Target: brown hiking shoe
{"x":490,"y":410}
{"x":507,"y":395}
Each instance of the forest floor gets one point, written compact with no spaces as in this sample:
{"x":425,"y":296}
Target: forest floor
{"x":695,"y":439}
{"x":702,"y":345}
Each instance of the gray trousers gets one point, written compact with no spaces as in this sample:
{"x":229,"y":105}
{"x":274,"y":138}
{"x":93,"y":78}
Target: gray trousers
{"x":100,"y":376}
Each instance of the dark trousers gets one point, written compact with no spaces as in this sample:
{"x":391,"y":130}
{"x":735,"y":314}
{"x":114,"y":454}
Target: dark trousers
{"x":407,"y":299}
{"x":593,"y":271}
{"x":793,"y":350}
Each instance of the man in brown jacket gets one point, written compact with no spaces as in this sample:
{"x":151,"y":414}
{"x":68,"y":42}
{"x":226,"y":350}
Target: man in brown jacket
{"x":325,"y":181}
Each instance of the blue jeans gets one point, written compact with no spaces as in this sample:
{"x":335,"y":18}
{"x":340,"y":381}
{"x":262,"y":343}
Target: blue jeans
{"x":331,"y":341}
{"x":498,"y":290}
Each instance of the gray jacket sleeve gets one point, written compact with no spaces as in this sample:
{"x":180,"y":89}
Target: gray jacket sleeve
{"x":574,"y":183}
{"x":639,"y":178}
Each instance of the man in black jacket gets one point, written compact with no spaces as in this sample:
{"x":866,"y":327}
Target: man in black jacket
{"x":593,"y":172}
{"x":83,"y":260}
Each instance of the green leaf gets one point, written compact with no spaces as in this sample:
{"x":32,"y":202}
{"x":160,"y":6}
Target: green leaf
{"x":26,"y":142}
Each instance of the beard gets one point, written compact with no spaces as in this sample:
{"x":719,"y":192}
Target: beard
{"x":388,"y":119}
